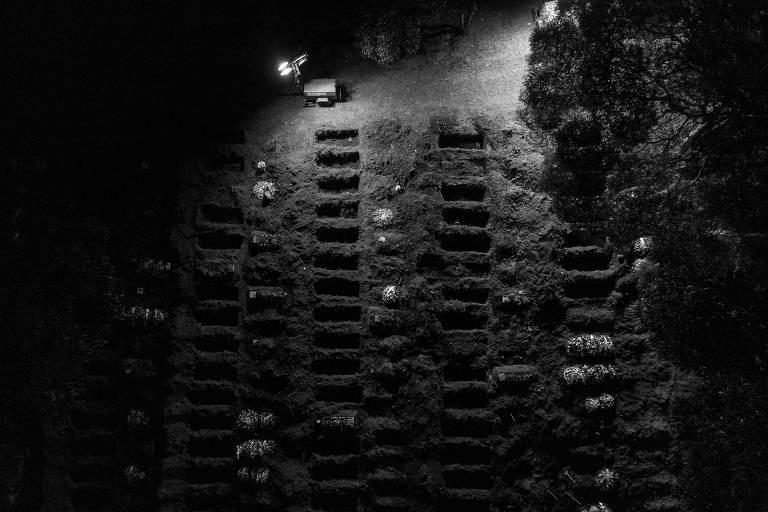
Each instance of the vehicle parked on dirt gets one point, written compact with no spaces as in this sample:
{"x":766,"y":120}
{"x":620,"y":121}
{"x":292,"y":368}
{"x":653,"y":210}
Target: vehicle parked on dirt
{"x":323,"y":92}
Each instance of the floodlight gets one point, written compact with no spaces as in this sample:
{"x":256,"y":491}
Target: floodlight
{"x":292,"y":66}
{"x":301,"y":59}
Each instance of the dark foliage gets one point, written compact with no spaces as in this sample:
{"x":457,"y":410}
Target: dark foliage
{"x":553,"y":84}
{"x":395,"y":30}
{"x":677,"y":92}
{"x":667,"y":100}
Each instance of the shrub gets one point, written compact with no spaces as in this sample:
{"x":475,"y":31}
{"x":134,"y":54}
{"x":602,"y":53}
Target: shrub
{"x":578,"y":140}
{"x":553,"y":83}
{"x":389,"y":37}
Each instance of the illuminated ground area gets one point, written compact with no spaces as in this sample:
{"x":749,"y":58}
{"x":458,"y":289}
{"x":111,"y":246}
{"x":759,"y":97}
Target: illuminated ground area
{"x":446,"y":392}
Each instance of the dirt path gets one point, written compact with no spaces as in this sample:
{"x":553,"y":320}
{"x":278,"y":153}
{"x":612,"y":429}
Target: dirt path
{"x":479,"y":74}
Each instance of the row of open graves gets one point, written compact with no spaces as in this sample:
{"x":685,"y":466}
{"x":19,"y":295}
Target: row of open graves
{"x":115,"y":419}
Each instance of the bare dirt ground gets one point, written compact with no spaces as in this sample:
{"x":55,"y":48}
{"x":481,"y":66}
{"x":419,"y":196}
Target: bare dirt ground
{"x":473,"y":78}
{"x":284,"y":310}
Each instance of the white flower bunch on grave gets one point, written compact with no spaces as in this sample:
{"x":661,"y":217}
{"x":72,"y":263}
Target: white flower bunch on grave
{"x":606,"y":479}
{"x":261,"y":165}
{"x":264,"y":190}
{"x":643,"y":245}
{"x":390,"y":295}
{"x":588,"y":374}
{"x":590,"y":345}
{"x":574,"y":375}
{"x":600,"y":507}
{"x":600,"y":403}
{"x":133,"y":475}
{"x":255,"y":449}
{"x":382,"y":217}
{"x":517,"y":297}
{"x":254,"y":421}
{"x":255,"y":476}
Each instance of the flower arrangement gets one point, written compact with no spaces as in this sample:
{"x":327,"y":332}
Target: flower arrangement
{"x":382,"y":217}
{"x":590,"y":345}
{"x":255,"y":449}
{"x":643,"y":245}
{"x":600,"y":507}
{"x":264,"y":191}
{"x":641,"y":265}
{"x":390,"y":295}
{"x":600,"y":403}
{"x":516,"y":298}
{"x":606,"y":479}
{"x":588,"y":374}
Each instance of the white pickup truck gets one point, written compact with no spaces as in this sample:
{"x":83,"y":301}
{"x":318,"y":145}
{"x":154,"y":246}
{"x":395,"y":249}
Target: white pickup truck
{"x":323,"y":92}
